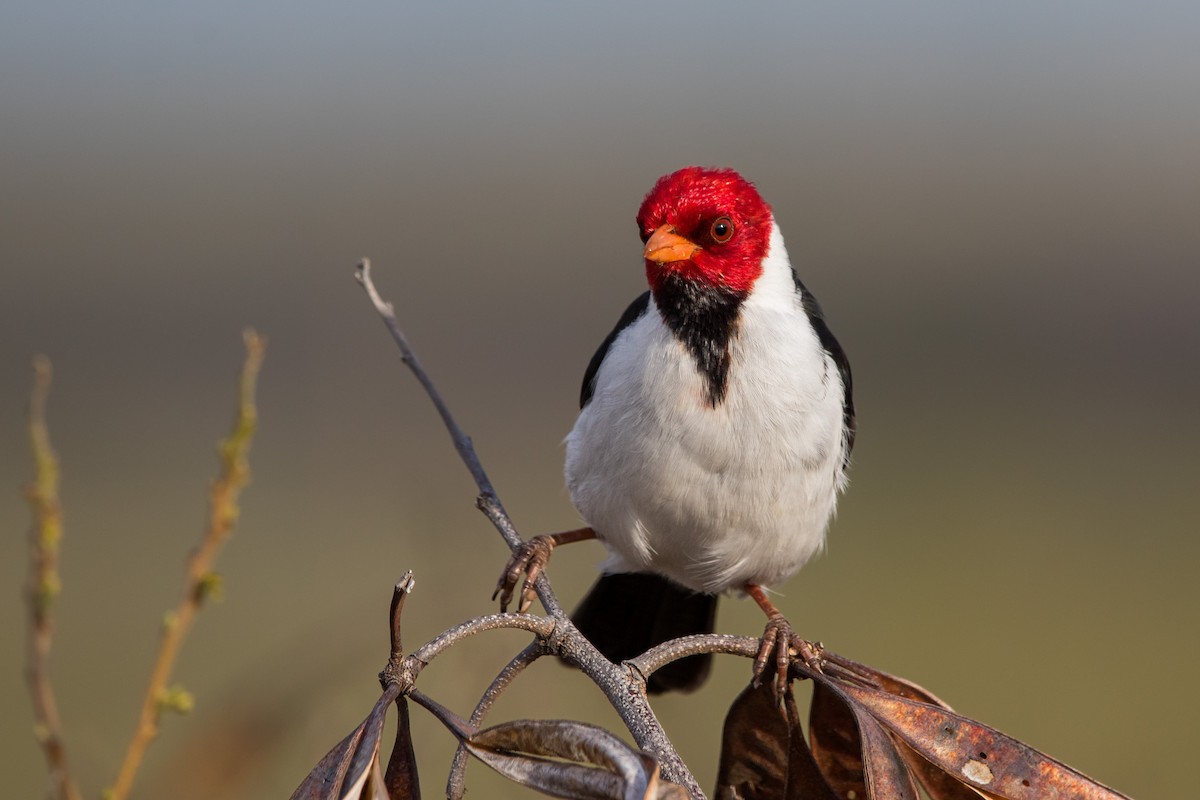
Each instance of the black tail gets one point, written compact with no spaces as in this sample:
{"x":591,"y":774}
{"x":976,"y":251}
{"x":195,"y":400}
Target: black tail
{"x":625,"y":614}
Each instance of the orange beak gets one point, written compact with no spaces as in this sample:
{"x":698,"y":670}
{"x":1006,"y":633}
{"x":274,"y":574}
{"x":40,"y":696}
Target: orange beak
{"x":665,"y":246}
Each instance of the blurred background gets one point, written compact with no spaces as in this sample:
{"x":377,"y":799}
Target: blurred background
{"x":996,"y":204}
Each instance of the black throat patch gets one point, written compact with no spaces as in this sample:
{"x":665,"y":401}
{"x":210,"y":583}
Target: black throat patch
{"x":705,"y":320}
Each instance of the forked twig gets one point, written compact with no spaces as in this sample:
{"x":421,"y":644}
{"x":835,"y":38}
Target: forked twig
{"x":201,"y":582}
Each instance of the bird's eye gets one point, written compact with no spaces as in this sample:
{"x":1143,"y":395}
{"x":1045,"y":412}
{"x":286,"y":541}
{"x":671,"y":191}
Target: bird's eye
{"x":721,"y":230}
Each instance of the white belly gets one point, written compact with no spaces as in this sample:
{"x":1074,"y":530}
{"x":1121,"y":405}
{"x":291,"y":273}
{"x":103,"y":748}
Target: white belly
{"x":712,"y":498}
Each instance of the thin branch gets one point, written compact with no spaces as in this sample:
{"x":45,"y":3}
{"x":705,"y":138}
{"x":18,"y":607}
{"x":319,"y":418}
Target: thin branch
{"x":543,"y":627}
{"x":506,"y":676}
{"x":456,"y":785}
{"x":42,"y":590}
{"x":201,"y":582}
{"x":462,"y":442}
{"x":489,"y":501}
{"x":658,"y":657}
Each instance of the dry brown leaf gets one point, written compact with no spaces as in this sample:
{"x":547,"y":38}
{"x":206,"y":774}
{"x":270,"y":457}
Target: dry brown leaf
{"x":833,"y":733}
{"x":401,"y":776}
{"x":351,"y":768}
{"x":561,"y":758}
{"x":975,"y":754}
{"x":597,"y":764}
{"x":763,"y":752}
{"x":937,"y":784}
{"x":886,"y":774}
{"x":892,"y":684}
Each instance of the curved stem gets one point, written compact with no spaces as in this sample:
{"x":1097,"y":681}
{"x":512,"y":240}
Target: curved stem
{"x":658,"y":657}
{"x":412,"y":664}
{"x":456,"y":783}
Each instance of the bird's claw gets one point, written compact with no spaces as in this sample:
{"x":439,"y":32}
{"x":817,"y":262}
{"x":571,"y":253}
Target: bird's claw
{"x":780,"y":645}
{"x":528,"y":559}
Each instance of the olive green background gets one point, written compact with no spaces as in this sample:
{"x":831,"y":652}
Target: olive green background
{"x":997,"y":205}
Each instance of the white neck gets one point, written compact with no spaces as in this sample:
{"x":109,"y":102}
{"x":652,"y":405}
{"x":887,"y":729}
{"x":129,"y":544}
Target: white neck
{"x":776,"y":284}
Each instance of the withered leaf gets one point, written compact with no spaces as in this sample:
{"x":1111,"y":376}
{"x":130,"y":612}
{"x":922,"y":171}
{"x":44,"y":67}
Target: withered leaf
{"x":892,"y":684}
{"x":560,"y":757}
{"x":373,"y":787}
{"x":764,"y":755}
{"x":754,"y":747}
{"x":887,"y":775}
{"x":937,"y":784}
{"x":595,"y":762}
{"x":836,"y":745}
{"x":401,"y":776}
{"x":351,"y":768}
{"x":975,"y":754}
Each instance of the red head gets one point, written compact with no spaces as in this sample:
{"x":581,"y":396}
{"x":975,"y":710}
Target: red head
{"x":705,"y":225}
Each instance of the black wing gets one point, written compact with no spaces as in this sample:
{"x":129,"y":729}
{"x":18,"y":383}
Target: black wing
{"x":813,"y":309}
{"x":636,"y":309}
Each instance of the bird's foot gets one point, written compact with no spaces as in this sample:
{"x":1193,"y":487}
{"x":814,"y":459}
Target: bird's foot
{"x":529,"y":559}
{"x":779,"y":645}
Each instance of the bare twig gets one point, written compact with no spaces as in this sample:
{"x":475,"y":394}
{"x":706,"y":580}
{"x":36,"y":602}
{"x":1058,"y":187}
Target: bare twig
{"x":456,"y":785}
{"x":43,"y":588}
{"x":201,"y":582}
{"x":543,"y":627}
{"x":396,"y":657}
{"x":462,"y":442}
{"x":489,"y":501}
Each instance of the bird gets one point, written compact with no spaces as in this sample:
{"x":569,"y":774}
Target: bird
{"x":714,"y":435}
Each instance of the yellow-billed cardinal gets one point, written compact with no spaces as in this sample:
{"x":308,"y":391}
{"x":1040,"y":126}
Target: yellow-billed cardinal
{"x":715,"y":429}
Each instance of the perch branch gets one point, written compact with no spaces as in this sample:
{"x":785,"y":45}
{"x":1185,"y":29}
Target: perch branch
{"x":717,"y":643}
{"x":42,"y":590}
{"x":623,"y":684}
{"x":200,"y":581}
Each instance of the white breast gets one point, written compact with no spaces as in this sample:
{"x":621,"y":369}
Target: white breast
{"x":714,"y":498}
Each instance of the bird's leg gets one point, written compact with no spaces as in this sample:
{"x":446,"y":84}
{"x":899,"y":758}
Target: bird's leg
{"x":779,"y":637}
{"x":529,"y":559}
